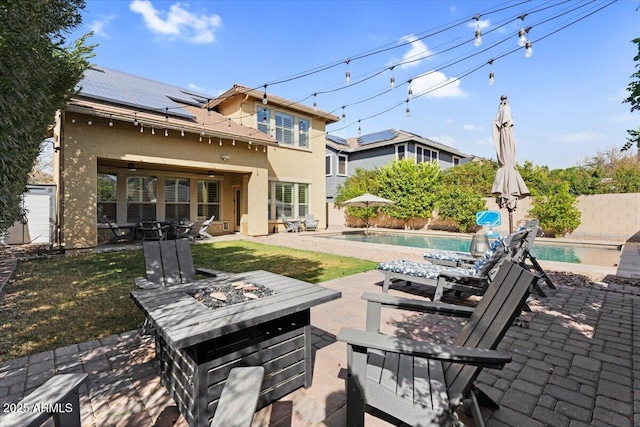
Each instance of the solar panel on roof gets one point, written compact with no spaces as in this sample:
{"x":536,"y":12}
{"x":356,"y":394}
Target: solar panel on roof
{"x":372,"y":138}
{"x":126,"y":89}
{"x":337,"y":139}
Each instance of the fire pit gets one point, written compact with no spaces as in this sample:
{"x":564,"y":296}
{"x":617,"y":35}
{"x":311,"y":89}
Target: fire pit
{"x":201,"y":336}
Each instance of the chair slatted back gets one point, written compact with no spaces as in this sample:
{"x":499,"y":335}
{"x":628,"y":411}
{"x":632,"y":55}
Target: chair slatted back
{"x":168,"y":262}
{"x":489,"y":322}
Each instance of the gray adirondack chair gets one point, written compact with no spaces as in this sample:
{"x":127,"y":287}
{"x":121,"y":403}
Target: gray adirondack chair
{"x":422,"y":383}
{"x":169,"y":262}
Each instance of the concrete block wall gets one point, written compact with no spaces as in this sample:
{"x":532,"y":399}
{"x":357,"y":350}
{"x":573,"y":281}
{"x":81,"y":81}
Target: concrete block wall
{"x":603,"y":216}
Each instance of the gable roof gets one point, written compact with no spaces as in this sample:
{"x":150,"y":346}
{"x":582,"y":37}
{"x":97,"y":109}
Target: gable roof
{"x":384,"y":138}
{"x":256,"y":94}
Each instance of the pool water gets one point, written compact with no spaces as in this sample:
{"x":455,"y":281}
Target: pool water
{"x":572,"y":253}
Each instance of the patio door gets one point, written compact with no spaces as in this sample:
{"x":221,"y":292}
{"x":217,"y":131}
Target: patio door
{"x":237,"y":203}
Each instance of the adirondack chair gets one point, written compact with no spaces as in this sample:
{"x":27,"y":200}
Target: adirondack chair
{"x":150,"y":229}
{"x":473,"y":280}
{"x":421,"y":383}
{"x":310,"y":223}
{"x":169,"y":262}
{"x":119,"y":235}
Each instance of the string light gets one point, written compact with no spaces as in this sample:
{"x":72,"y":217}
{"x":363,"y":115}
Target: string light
{"x":73,"y":119}
{"x":153,"y":130}
{"x":264,"y":97}
{"x":347,"y":74}
{"x":491,"y":72}
{"x":135,"y":119}
{"x":166,"y":114}
{"x":90,"y":122}
{"x":233,"y":142}
{"x":110,"y":121}
{"x":478,"y":37}
{"x":166,"y":132}
{"x":392,"y":81}
{"x":264,"y":149}
{"x":344,"y":116}
{"x":141,"y":128}
{"x":410,"y":91}
{"x":256,"y":148}
{"x":407,"y":112}
{"x":209,"y":140}
{"x":528,"y":51}
{"x":229,"y":124}
{"x":200,"y":138}
{"x":181,"y":132}
{"x":359,"y":129}
{"x":220,"y":142}
{"x":315,"y":104}
{"x":522,"y":36}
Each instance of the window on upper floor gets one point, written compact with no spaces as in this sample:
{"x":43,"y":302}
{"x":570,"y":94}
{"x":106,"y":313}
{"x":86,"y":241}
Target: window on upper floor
{"x":342,"y":164}
{"x":327,"y":165}
{"x":401,"y":151}
{"x":456,"y":161}
{"x":286,"y":128}
{"x":424,"y":154}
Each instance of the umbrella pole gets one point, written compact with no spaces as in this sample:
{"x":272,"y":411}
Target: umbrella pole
{"x":510,"y":220}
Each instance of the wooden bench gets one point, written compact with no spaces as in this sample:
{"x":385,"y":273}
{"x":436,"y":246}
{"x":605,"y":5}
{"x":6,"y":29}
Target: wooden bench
{"x":239,"y":398}
{"x":57,"y":398}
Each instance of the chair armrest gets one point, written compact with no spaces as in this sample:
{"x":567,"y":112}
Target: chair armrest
{"x":467,"y":355}
{"x":143,"y":283}
{"x":462,"y":277}
{"x":423,"y":306}
{"x":209,"y":272}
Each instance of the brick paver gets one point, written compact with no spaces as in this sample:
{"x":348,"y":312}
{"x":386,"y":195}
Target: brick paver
{"x":575,"y":363}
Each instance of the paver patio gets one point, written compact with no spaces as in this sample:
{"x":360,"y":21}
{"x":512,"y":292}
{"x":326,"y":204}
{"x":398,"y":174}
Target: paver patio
{"x":575,"y":363}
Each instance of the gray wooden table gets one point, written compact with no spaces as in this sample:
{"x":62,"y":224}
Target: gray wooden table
{"x":197,"y":346}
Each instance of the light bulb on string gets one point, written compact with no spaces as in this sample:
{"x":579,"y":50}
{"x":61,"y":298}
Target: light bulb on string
{"x":315,"y":104}
{"x":141,"y":128}
{"x":233,"y":142}
{"x":229,"y":123}
{"x":522,"y":37}
{"x":528,"y":50}
{"x":264,"y":149}
{"x":491,"y":77}
{"x":153,"y":130}
{"x":110,"y":121}
{"x":256,"y":148}
{"x":181,"y":132}
{"x":410,"y":91}
{"x":200,"y":138}
{"x":392,"y":80}
{"x":220,"y":142}
{"x":90,"y":122}
{"x":344,"y":116}
{"x":135,"y":119}
{"x":166,"y":132}
{"x":478,"y":39}
{"x":359,"y":129}
{"x":347,"y":74}
{"x":166,"y":114}
{"x":209,"y":140}
{"x":73,"y":119}
{"x":407,"y":112}
{"x":208,"y":108}
{"x":264,"y":97}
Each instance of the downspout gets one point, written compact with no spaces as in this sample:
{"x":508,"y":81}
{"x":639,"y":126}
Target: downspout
{"x":60,"y":213}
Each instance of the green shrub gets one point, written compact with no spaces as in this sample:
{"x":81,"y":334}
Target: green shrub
{"x":460,"y":207}
{"x":557,"y":212}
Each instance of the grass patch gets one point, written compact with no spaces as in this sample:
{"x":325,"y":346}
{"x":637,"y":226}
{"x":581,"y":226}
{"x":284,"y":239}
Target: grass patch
{"x":53,"y":303}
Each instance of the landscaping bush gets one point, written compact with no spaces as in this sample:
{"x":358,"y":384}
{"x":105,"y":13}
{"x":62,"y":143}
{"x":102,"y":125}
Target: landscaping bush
{"x":557,"y":211}
{"x":459,"y":206}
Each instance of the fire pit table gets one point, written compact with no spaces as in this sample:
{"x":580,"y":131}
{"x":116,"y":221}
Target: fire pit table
{"x":198,"y":345}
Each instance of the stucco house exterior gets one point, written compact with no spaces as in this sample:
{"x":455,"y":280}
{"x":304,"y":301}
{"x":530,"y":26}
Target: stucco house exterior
{"x":344,"y":156}
{"x":127,"y":147}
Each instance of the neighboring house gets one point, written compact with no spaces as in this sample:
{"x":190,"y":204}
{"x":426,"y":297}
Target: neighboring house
{"x":129,"y":148}
{"x":344,"y":156}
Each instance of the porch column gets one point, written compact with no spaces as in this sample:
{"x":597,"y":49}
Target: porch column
{"x":254,"y":221}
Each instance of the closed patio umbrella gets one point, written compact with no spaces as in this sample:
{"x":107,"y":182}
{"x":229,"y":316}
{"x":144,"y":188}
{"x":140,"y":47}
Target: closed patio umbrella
{"x":508,"y":185}
{"x":367,"y":200}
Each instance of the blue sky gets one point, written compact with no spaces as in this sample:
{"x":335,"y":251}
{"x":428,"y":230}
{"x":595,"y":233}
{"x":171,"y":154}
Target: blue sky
{"x":566,"y":99}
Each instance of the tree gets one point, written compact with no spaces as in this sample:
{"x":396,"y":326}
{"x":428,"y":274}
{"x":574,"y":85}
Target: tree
{"x":411,"y":186}
{"x":634,"y":100}
{"x":556,"y":211}
{"x":460,"y":206}
{"x":475,"y":176}
{"x":362,"y":181}
{"x":38,"y":74}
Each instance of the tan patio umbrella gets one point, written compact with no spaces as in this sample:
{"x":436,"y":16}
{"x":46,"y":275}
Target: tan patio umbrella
{"x":367,"y":200}
{"x":508,"y":185}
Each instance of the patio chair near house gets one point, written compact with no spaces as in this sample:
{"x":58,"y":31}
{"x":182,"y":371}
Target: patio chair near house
{"x":169,"y":262}
{"x":203,"y":231}
{"x":422,"y":383}
{"x":150,"y":229}
{"x":120,"y":235}
{"x":290,"y":225}
{"x":310,"y":223}
{"x":473,"y":279}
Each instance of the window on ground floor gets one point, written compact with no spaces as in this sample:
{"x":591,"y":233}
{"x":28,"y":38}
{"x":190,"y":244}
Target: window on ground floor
{"x":176,"y":199}
{"x":107,"y":191}
{"x":288,"y":200}
{"x":209,"y":199}
{"x":141,"y":197}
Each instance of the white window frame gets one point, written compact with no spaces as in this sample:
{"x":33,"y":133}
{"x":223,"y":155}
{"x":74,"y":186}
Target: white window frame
{"x":455,"y":160}
{"x":140,"y":201}
{"x":176,"y":194}
{"x":271,"y":130}
{"x":328,"y":158}
{"x":433,"y":154}
{"x":346,"y":165}
{"x":295,"y":201}
{"x":207,"y":203}
{"x":404,"y":151}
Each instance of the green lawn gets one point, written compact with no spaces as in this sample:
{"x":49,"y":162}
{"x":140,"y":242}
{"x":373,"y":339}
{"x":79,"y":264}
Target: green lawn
{"x":52,"y":303}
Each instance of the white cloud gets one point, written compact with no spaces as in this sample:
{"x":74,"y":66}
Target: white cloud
{"x":578,"y":137}
{"x":471,"y":127}
{"x":98,"y":26}
{"x":436,"y":85}
{"x":418,"y":50}
{"x":178,"y":22}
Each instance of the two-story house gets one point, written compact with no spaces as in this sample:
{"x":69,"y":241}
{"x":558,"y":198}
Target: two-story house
{"x":344,"y":156}
{"x":127,"y":147}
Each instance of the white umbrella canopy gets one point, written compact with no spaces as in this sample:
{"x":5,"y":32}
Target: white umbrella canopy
{"x":508,"y":185}
{"x":367,"y":200}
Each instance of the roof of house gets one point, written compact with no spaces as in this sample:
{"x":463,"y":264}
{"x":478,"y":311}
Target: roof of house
{"x":237,"y":90}
{"x":104,"y":92}
{"x":383,"y":138}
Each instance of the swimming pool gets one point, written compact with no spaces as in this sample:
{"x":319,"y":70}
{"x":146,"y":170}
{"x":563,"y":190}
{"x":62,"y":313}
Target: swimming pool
{"x":573,"y":253}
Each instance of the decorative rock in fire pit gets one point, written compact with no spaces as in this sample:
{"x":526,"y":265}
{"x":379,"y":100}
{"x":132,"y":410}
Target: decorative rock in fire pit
{"x":229,"y":294}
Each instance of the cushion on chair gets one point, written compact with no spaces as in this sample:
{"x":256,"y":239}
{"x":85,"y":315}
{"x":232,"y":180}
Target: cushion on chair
{"x":419,"y":269}
{"x":454,"y":256}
